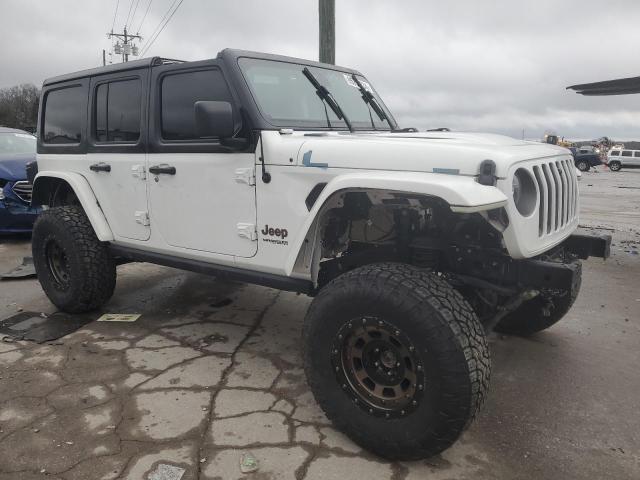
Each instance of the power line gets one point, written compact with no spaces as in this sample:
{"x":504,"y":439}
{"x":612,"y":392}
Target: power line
{"x":114,"y":15}
{"x":144,"y":16}
{"x":155,"y":30}
{"x":135,"y":9}
{"x":126,"y":22}
{"x":165,"y":24}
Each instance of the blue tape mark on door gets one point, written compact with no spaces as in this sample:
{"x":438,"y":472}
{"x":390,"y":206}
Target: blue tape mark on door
{"x":449,"y":171}
{"x":306,"y":161}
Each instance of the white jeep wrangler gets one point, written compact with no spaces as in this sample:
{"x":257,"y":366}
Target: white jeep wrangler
{"x":293,"y":174}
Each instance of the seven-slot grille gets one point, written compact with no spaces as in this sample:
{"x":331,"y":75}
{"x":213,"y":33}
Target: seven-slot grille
{"x":23,"y":190}
{"x":558,"y":195}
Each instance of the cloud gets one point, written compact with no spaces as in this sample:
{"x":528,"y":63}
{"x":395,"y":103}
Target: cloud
{"x":500,"y":66}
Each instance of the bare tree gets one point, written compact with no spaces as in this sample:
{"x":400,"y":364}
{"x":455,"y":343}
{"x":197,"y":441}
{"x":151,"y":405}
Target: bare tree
{"x":19,"y":106}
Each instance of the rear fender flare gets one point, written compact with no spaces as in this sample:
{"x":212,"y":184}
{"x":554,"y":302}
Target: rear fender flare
{"x":83,"y":192}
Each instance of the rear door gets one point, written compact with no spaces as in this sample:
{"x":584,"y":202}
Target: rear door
{"x":635,"y":160}
{"x":203,"y":195}
{"x":115,"y":162}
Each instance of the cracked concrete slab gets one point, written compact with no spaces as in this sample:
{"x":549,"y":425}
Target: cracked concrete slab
{"x":263,"y":428}
{"x":235,"y":402}
{"x":183,"y":457}
{"x":209,"y":336}
{"x":203,"y":372}
{"x":307,"y":434}
{"x":339,"y":468}
{"x":164,"y":415}
{"x":335,"y":440}
{"x":79,"y":396}
{"x":156,"y":341}
{"x":250,"y":370}
{"x":274,"y":463}
{"x":149,"y":359}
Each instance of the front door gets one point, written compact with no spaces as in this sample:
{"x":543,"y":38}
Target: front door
{"x":201,"y":194}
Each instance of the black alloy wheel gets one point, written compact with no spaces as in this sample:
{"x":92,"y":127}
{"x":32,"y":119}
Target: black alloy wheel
{"x":377,"y":365}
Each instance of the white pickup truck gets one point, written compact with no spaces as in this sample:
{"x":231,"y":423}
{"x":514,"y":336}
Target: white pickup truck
{"x":294,"y":174}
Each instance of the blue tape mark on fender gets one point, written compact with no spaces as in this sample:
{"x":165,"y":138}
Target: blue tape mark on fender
{"x":306,"y":161}
{"x":448,"y":171}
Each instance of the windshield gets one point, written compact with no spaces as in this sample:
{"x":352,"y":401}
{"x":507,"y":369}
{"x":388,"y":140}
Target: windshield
{"x":287,"y":99}
{"x":17,"y":143}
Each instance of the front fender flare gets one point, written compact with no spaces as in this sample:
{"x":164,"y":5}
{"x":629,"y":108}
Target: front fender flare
{"x":462,"y":193}
{"x":85,"y":196}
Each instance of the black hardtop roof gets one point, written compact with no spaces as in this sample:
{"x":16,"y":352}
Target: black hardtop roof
{"x":227,"y":53}
{"x":113,"y":68}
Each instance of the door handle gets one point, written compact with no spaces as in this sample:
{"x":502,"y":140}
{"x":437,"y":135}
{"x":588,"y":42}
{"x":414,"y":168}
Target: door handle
{"x":100,"y":167}
{"x":162,"y":168}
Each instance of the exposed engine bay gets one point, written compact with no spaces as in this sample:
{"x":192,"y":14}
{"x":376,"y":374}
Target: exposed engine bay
{"x":361,"y":227}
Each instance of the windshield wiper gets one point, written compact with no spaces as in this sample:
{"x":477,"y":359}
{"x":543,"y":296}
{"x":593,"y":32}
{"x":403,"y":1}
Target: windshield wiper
{"x":371,"y":101}
{"x":325,"y":96}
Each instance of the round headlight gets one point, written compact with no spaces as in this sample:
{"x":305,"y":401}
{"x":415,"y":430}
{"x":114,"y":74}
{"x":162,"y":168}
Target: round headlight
{"x":525,"y":193}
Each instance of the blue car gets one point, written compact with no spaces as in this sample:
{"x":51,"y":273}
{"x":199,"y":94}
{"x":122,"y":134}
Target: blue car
{"x":17,"y":148}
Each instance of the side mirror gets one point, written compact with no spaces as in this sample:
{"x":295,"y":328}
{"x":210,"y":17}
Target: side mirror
{"x":214,"y":119}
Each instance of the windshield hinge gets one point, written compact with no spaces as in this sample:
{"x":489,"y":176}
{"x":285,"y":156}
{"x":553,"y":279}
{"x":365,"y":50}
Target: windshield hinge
{"x":247,"y":230}
{"x":245,"y":175}
{"x":139,"y":171}
{"x":142,"y":218}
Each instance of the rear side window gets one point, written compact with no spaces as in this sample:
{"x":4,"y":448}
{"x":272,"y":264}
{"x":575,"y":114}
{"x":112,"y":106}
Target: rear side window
{"x":117,"y":111}
{"x":63,"y":116}
{"x":180,"y":92}
{"x":636,"y":154}
{"x":626,"y":153}
{"x":615,"y":153}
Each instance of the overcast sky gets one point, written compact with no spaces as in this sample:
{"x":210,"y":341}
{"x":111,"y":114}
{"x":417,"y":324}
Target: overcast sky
{"x":473,"y":65}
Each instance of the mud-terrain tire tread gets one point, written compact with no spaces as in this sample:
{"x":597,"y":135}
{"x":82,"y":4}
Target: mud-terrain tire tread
{"x":97,"y":279}
{"x":528,"y":319}
{"x":463,"y":348}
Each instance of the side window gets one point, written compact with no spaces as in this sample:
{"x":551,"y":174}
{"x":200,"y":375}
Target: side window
{"x":636,"y":154}
{"x":63,"y":116}
{"x":117,"y":111}
{"x":178,"y":94}
{"x":626,"y":153}
{"x":614,"y":153}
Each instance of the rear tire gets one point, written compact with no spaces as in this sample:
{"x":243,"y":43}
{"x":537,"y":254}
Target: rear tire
{"x":75,"y":269}
{"x":419,"y":345}
{"x":615,"y":166}
{"x":540,"y":312}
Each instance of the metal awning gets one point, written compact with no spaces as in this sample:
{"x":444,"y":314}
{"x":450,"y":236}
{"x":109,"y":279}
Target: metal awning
{"x":621,"y":86}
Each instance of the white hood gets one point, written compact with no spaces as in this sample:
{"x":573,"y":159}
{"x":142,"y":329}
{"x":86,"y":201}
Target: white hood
{"x":438,"y":152}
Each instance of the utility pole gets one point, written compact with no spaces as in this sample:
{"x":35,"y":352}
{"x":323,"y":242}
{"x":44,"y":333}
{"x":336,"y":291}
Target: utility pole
{"x":327,"y":17}
{"x":126,"y":48}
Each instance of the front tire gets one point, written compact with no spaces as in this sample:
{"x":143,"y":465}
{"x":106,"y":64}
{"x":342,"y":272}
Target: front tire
{"x":583,"y":166}
{"x":75,"y":269}
{"x":397,"y":359}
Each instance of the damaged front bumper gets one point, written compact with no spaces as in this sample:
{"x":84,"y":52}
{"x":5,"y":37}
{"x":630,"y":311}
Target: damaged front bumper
{"x":556,"y":269}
